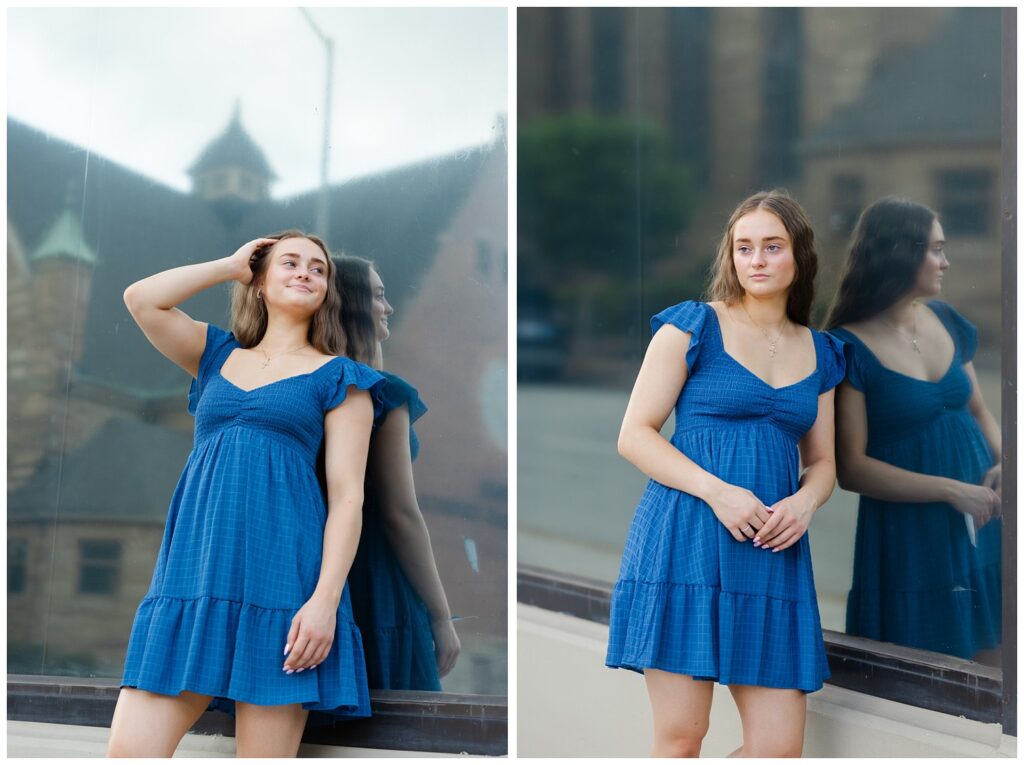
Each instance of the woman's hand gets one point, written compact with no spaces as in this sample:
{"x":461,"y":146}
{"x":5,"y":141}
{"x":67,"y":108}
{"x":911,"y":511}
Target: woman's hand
{"x":994,"y":479}
{"x":980,"y":502}
{"x":241,"y":260}
{"x":311,"y":634}
{"x":446,"y":645}
{"x":739,"y":510}
{"x":790,"y":518}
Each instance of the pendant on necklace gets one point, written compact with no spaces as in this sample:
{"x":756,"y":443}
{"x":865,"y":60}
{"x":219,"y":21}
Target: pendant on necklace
{"x":914,"y":341}
{"x":771,"y":350}
{"x":265,"y":364}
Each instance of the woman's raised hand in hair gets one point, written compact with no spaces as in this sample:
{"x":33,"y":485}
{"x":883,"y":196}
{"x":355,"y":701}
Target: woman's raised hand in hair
{"x":241,"y":260}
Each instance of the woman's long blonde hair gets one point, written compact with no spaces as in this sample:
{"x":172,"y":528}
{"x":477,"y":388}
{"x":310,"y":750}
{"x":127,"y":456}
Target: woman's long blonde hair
{"x":249,"y":312}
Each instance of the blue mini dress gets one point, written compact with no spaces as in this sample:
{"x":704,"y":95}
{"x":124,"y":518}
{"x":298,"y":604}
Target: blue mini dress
{"x":690,"y":598}
{"x":917,"y":579}
{"x":242,"y":547}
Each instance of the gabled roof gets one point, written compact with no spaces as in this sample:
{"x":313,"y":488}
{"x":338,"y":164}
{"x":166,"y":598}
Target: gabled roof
{"x":65,"y":239}
{"x":233,"y":148}
{"x":137,"y":227}
{"x":944,"y":91}
{"x":111,"y":476}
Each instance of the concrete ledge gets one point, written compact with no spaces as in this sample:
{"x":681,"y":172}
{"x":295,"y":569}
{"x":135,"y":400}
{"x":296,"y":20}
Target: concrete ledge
{"x":30,"y":739}
{"x":570,"y":705}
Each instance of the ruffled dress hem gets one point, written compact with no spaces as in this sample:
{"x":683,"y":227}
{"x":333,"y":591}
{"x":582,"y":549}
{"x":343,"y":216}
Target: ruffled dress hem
{"x":182,"y":657}
{"x":671,"y":626}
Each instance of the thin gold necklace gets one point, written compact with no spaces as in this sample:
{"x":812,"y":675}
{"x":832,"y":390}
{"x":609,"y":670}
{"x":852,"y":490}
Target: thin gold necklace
{"x":279,"y":355}
{"x":912,"y":338}
{"x":771,"y":343}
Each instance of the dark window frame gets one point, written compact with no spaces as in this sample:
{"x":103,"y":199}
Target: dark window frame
{"x":420,"y":721}
{"x":89,"y":565}
{"x":954,"y":202}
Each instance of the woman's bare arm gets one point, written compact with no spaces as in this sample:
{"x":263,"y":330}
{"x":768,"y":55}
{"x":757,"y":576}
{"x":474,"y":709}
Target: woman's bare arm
{"x":662,"y":375}
{"x":391,"y":475}
{"x":152,"y":303}
{"x":392,"y":478}
{"x":871,"y":477}
{"x":346,"y":441}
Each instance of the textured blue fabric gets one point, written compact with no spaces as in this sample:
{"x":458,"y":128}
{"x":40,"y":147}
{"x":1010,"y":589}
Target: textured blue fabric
{"x":690,"y":598}
{"x":917,"y":580}
{"x":242,"y":547}
{"x":391,"y":616}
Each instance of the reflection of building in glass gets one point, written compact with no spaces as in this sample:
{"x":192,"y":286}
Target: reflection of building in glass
{"x":840,"y":106}
{"x":98,"y":430}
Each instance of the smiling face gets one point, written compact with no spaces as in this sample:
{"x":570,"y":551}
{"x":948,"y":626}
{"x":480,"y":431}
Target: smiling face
{"x":380,"y":308}
{"x":928,"y":281}
{"x":295,"y":278}
{"x":762,"y":253}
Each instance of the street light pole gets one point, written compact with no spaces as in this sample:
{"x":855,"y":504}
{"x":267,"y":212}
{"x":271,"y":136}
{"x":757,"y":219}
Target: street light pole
{"x":325,"y":154}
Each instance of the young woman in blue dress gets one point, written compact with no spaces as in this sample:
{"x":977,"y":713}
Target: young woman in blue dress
{"x":237,"y":611}
{"x":716,"y":582}
{"x":398,"y":599}
{"x":917,"y":442}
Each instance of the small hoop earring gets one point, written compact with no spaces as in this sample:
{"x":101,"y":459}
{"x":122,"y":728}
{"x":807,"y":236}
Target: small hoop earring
{"x":259,"y":295}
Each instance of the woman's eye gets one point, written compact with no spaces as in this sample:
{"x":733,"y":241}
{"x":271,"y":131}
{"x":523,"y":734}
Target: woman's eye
{"x":773,"y":248}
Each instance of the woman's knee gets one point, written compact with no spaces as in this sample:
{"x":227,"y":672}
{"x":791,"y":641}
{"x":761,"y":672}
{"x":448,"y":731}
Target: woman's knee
{"x":773,"y":748}
{"x":681,"y":739}
{"x":678,"y":746}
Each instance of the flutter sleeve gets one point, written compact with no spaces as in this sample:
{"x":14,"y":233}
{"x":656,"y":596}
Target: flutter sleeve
{"x":832,"y":361}
{"x":689,"y":316}
{"x":964,"y":334}
{"x":347,"y":374}
{"x":218,"y":344}
{"x":398,"y":392}
{"x":852,"y":355}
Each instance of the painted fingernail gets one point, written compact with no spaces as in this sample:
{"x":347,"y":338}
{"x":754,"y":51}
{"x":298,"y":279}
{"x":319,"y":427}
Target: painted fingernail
{"x":300,"y":669}
{"x":289,"y":671}
{"x":286,"y":648}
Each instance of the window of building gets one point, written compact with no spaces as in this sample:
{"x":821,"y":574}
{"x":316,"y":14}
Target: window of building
{"x":99,"y":566}
{"x":17,"y":555}
{"x":965,"y":201}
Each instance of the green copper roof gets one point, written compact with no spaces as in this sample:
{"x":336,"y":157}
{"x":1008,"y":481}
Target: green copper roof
{"x":65,"y":238}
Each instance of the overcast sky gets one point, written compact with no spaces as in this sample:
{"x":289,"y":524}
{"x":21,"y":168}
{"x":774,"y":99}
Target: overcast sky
{"x":150,"y":87}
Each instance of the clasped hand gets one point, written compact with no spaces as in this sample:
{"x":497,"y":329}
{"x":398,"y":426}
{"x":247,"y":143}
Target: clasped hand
{"x":311,"y":635}
{"x":746,"y":517}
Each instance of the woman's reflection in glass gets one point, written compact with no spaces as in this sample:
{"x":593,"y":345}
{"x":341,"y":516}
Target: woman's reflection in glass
{"x":398,"y":601}
{"x":915,"y":439}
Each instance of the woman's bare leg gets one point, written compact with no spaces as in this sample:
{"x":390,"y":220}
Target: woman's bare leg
{"x":149,"y":724}
{"x":268,"y":731}
{"x":773,"y":721}
{"x":682,"y":708}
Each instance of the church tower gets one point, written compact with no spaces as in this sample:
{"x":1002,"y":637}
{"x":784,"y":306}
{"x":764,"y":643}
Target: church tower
{"x":232,"y":173}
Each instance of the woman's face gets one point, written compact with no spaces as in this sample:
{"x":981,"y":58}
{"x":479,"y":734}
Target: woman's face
{"x":380,"y":308}
{"x":295,"y":278}
{"x":934,"y":264}
{"x":762,"y":253}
